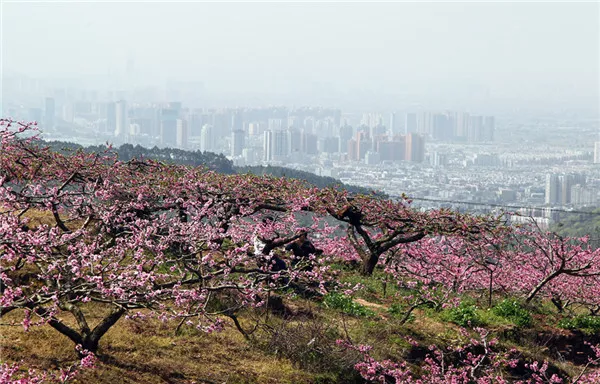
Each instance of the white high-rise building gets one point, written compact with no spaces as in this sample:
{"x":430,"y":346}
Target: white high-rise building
{"x":275,"y":145}
{"x":207,"y":138}
{"x":121,"y":126}
{"x":182,"y":134}
{"x":597,"y":152}
{"x":267,"y":146}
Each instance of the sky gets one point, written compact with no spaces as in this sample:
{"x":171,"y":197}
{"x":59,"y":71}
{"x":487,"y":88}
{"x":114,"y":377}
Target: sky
{"x":534,"y":49}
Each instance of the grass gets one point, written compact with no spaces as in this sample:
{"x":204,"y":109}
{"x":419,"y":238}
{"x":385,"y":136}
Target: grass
{"x":346,"y":305}
{"x":587,"y":324}
{"x":136,"y":351}
{"x":148,"y":352}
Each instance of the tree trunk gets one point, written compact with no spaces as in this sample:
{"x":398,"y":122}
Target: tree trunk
{"x":87,"y":339}
{"x":368,"y":264}
{"x":541,"y":285}
{"x":490,"y":289}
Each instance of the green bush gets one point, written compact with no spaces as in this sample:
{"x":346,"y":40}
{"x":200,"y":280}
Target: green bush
{"x":396,"y":309}
{"x":399,"y":311}
{"x":465,"y":315}
{"x":347,"y":305}
{"x":590,"y":324}
{"x":512,"y":310}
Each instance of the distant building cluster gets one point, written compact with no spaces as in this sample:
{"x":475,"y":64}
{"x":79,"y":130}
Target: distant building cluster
{"x":460,"y":126}
{"x":448,"y":158}
{"x":270,"y":135}
{"x":569,"y":188}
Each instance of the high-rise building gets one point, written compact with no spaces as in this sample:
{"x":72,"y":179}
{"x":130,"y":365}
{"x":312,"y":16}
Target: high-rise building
{"x":275,"y":125}
{"x":425,"y":123}
{"x":255,"y":129}
{"x":309,"y":124}
{"x":309,"y":143}
{"x":372,"y":158}
{"x":111,"y":118}
{"x":394,"y":124}
{"x":268,"y":146}
{"x":475,"y":129}
{"x":68,"y":112}
{"x":328,"y":144}
{"x":442,"y":130}
{"x":363,"y":144}
{"x":438,"y":159}
{"x":280,"y":145}
{"x":248,"y":155}
{"x":392,"y":150}
{"x":221,"y":121}
{"x":461,"y":125}
{"x":352,"y":150}
{"x":410,"y":123}
{"x":581,"y":195}
{"x":552,"y":189}
{"x":597,"y":152}
{"x":294,"y":141}
{"x":237,"y":142}
{"x":371,"y":119}
{"x":237,"y":121}
{"x":121,"y":120}
{"x":168,"y":126}
{"x":377,"y":130}
{"x":346,"y":132}
{"x":207,"y":138}
{"x":182,"y":133}
{"x":489,"y":123}
{"x":195,"y":122}
{"x":415,"y":148}
{"x":399,"y":148}
{"x":49,"y":113}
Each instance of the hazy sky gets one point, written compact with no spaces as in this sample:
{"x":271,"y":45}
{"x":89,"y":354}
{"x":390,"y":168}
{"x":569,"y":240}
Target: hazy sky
{"x":512,"y":48}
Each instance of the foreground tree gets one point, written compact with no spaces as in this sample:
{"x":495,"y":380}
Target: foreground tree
{"x":138,"y":238}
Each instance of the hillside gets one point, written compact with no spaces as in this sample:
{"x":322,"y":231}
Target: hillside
{"x":297,"y":345}
{"x":147,"y":271}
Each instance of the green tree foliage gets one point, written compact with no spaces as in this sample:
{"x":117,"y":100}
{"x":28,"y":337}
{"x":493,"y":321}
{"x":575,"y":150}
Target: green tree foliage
{"x":584,"y":223}
{"x":311,"y":178}
{"x":126,"y":152}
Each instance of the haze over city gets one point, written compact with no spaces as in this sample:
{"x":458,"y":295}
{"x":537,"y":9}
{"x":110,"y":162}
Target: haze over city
{"x":444,"y":53}
{"x":488,"y":103}
{"x":277,"y":192}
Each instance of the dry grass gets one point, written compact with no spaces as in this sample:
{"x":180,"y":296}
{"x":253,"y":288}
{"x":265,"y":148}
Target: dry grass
{"x":148,"y":352}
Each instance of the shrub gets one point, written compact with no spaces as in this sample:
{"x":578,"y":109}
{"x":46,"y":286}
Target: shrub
{"x":346,"y":305}
{"x":312,"y":346}
{"x":513,"y":310}
{"x":590,"y":324}
{"x":465,"y":315}
{"x":399,"y":311}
